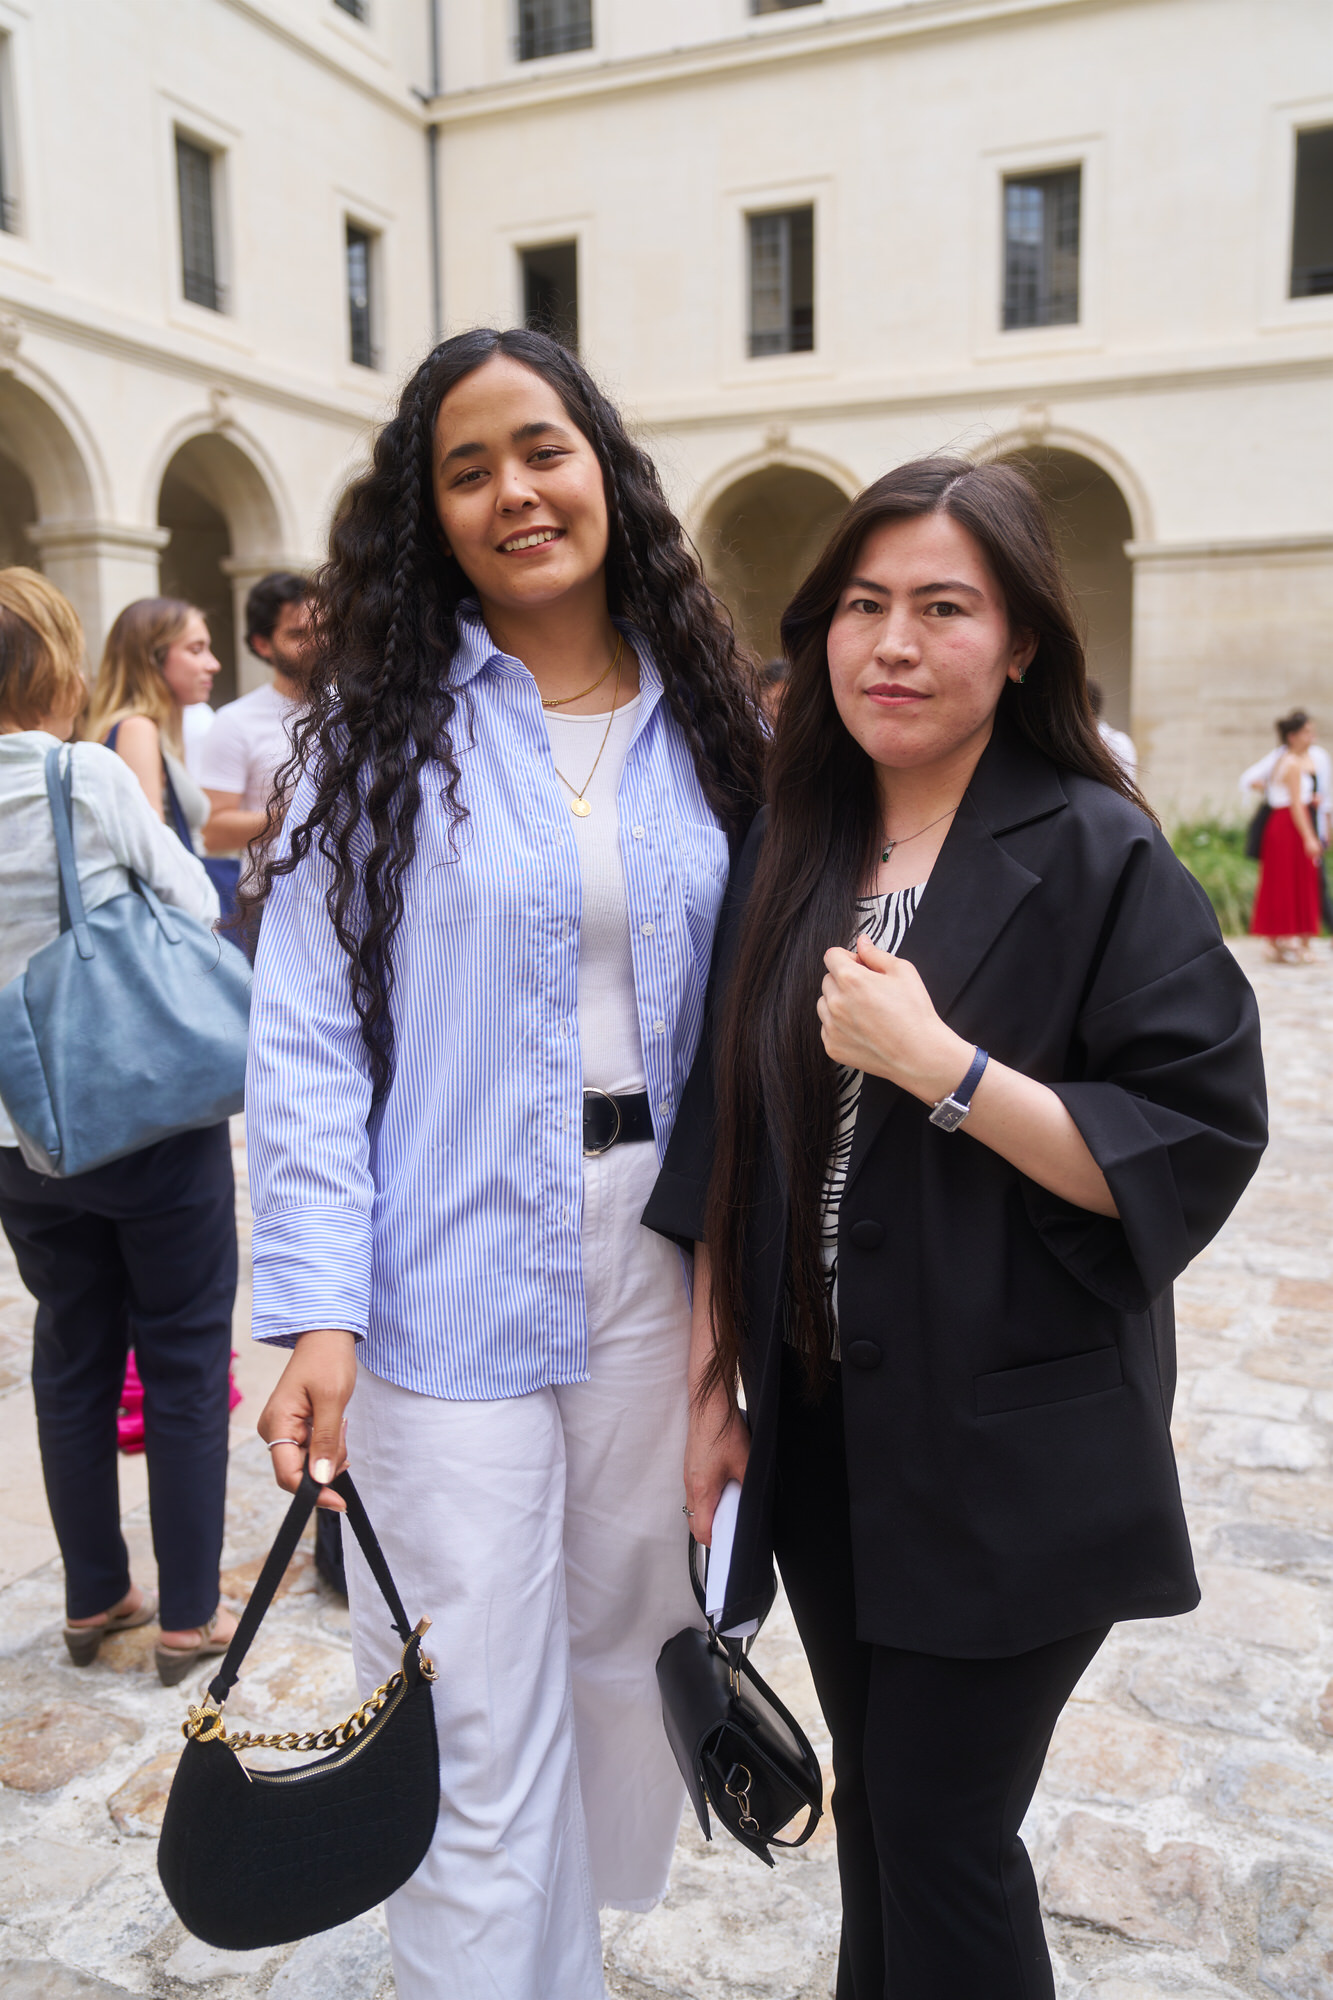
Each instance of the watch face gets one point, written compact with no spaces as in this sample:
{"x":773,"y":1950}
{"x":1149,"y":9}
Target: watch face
{"x":949,"y":1114}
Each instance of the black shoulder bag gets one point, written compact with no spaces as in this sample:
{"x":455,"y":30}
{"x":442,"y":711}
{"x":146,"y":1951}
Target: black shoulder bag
{"x":252,"y":1858}
{"x":739,"y":1750}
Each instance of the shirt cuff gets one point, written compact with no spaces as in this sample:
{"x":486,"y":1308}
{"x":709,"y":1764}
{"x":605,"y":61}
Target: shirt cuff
{"x":311,"y":1269}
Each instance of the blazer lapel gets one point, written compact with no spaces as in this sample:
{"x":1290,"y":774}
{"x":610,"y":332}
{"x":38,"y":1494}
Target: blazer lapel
{"x":974,"y":889}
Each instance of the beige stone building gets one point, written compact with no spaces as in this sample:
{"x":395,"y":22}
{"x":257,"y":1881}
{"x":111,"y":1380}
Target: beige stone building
{"x":810,"y":240}
{"x":214,"y":258}
{"x":799,"y":239}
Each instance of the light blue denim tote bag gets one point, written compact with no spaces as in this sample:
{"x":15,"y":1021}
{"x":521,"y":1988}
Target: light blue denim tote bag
{"x":128,"y":1027}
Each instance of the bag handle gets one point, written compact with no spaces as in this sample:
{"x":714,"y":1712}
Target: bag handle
{"x":60,"y":795}
{"x":735,"y":1649}
{"x":275,"y":1568}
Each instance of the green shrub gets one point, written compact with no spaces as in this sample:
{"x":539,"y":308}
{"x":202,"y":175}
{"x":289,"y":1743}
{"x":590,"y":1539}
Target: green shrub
{"x":1214,"y":851}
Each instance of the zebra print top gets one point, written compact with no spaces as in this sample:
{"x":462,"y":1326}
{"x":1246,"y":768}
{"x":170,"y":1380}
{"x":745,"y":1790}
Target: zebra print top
{"x":885,"y":920}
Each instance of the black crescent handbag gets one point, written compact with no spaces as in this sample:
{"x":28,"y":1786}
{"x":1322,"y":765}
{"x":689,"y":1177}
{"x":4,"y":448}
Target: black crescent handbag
{"x":252,"y":1858}
{"x":739,"y":1749}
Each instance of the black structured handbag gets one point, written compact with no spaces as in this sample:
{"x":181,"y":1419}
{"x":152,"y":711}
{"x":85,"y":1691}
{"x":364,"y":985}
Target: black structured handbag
{"x":739,"y":1750}
{"x":252,"y":1858}
{"x":1254,"y":832}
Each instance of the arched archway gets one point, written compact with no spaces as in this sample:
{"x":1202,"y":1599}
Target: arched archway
{"x":1092,"y":522}
{"x":48,"y":494}
{"x":759,"y":538}
{"x":223,"y":531}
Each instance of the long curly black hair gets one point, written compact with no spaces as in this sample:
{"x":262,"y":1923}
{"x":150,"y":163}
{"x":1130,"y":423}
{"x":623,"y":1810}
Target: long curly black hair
{"x":381,"y":706}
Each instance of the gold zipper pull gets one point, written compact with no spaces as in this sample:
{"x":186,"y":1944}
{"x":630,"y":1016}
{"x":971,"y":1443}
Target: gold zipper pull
{"x":420,"y":1629}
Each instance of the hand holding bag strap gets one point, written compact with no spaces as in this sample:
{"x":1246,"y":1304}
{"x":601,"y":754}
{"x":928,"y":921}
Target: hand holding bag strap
{"x":275,"y":1568}
{"x":60,"y":794}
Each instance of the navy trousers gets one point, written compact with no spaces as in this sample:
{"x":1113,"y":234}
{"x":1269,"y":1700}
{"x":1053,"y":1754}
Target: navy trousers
{"x":141,"y":1254}
{"x":935,"y":1760}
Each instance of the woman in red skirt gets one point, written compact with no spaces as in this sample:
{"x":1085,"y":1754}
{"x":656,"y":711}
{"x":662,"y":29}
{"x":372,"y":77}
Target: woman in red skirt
{"x":1286,"y":905}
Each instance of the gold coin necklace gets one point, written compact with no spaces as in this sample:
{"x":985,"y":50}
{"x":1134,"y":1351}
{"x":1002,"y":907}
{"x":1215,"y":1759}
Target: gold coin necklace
{"x":581,"y":805}
{"x":565,"y":699}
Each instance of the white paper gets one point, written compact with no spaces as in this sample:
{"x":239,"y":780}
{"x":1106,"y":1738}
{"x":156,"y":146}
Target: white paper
{"x":719,"y":1560}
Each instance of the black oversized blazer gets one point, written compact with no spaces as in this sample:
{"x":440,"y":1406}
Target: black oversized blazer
{"x":1009,"y":1359}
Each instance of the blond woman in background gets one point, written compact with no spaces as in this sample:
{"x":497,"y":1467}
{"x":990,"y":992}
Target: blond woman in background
{"x":140,"y":1253}
{"x":157,"y":662}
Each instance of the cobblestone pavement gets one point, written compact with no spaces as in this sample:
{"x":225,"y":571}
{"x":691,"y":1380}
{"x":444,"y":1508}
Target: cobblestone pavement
{"x":1182,"y":1833}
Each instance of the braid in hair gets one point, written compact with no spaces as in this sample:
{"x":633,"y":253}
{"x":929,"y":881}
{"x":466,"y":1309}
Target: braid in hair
{"x":386,"y":624}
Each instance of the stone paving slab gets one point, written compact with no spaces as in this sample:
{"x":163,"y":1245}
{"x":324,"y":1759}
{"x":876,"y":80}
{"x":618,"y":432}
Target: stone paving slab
{"x":1183,"y":1831}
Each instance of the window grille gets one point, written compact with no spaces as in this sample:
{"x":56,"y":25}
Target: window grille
{"x":551,"y":292}
{"x":1041,"y":248}
{"x":1312,"y":216}
{"x":553,"y":27}
{"x":199,"y":259}
{"x":360,"y":297}
{"x":782,"y":281}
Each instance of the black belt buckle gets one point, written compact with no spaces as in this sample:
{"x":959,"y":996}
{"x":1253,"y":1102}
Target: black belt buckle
{"x":601,"y":1123}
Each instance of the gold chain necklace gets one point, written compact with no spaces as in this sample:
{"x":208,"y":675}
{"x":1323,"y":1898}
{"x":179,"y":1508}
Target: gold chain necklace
{"x":889,"y":845}
{"x":565,"y":700}
{"x":580,"y":805}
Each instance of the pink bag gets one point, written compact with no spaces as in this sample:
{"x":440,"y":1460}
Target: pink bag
{"x":129,"y":1417}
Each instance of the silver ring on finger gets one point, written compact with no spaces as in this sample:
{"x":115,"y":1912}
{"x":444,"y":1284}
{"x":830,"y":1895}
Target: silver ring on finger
{"x":277,"y":1441}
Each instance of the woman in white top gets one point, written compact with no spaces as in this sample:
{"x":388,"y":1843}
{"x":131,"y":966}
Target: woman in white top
{"x":1286,"y":903}
{"x":158,"y":661}
{"x":141,"y":1253}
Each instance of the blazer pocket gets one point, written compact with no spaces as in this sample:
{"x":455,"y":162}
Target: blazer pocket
{"x":1048,"y":1381}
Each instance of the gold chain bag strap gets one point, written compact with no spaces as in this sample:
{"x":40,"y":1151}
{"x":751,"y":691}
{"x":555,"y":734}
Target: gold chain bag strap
{"x":254,"y":1858}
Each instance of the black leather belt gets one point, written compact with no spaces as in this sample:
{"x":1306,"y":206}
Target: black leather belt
{"x":614,"y":1121}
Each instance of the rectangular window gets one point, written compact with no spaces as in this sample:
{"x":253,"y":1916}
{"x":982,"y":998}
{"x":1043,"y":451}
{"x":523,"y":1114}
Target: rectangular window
{"x":782,"y":281}
{"x":553,"y":27}
{"x":1041,"y":232}
{"x":361,"y":248}
{"x":200,"y":280}
{"x":551,"y":292}
{"x":1312,"y":218}
{"x":779,"y":6}
{"x":356,"y":8}
{"x":9,"y":208}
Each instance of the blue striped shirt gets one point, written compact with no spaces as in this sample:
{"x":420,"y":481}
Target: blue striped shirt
{"x":443,"y":1227}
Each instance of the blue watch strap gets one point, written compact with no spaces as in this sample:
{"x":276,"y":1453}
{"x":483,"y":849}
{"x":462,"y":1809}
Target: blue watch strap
{"x":963,"y":1094}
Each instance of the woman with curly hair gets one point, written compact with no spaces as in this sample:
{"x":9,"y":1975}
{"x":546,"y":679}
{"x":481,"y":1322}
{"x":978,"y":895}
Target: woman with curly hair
{"x":479,"y":987}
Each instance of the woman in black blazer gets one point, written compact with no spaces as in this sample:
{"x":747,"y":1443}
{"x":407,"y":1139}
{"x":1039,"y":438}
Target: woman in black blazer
{"x":943,"y":1280}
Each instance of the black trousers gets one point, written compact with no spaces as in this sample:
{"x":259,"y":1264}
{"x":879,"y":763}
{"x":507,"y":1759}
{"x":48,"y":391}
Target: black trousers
{"x":935,"y":1760}
{"x":141,"y":1254}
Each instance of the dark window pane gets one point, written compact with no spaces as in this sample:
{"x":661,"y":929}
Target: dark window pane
{"x":356,"y":8}
{"x":1312,"y":220}
{"x":199,"y":263}
{"x":360,"y":303}
{"x":553,"y":27}
{"x":1041,"y":244}
{"x":551,"y":292}
{"x":779,"y":6}
{"x":782,"y":281}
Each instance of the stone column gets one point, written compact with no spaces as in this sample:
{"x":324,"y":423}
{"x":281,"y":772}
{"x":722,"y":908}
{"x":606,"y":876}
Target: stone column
{"x":101,"y":566}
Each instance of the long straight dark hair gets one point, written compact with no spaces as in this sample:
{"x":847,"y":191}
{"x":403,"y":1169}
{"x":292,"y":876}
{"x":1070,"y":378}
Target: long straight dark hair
{"x":386,"y":619}
{"x":774,"y":1081}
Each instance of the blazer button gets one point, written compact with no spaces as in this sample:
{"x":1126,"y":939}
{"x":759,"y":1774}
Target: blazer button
{"x":865,"y":1354}
{"x":867,"y":1235}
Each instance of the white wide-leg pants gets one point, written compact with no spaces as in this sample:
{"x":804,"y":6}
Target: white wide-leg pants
{"x":543,"y":1536}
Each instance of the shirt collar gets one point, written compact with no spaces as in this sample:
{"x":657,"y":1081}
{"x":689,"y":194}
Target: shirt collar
{"x":477,"y":649}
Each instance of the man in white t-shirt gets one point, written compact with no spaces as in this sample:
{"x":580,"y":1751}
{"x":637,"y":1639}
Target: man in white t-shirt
{"x":250,"y":740}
